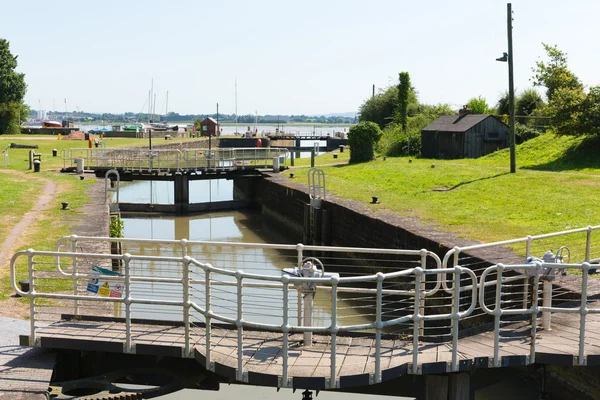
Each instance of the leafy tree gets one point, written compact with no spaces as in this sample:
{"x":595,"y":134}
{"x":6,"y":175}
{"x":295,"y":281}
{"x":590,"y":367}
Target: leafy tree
{"x":528,"y":102}
{"x":502,"y":106}
{"x":478,"y":105}
{"x":382,"y":107}
{"x":361,"y":139}
{"x":554,"y":74}
{"x":404,"y":90}
{"x":573,"y":112}
{"x":12,"y":90}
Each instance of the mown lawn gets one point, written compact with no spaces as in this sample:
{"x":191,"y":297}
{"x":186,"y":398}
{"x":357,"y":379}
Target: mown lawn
{"x":554,"y":189}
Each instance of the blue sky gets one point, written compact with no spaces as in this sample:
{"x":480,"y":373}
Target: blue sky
{"x":300,"y":57}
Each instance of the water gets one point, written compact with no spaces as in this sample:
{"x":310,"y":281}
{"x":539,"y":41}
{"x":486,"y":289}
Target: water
{"x":264,"y":305}
{"x":307,"y":130}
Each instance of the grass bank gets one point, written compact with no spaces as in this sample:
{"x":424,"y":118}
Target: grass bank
{"x":554,"y":188}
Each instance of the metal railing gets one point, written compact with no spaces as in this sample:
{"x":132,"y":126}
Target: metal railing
{"x":537,"y":270}
{"x":142,"y":159}
{"x":580,"y":244}
{"x":401,"y":290}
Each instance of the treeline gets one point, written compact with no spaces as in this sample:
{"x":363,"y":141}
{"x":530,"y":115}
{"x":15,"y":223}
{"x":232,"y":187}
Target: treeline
{"x":80,"y":116}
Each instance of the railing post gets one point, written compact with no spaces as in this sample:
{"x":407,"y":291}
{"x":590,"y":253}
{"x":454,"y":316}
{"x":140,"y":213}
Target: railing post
{"x":285,"y":328}
{"x":299,"y":249}
{"x":186,"y":304}
{"x":378,"y":321}
{"x":455,"y":317}
{"x":75,"y":280}
{"x":498,"y":314}
{"x":239,"y":323}
{"x":422,"y":288}
{"x":588,"y":243}
{"x":547,"y":303}
{"x":583,"y":311}
{"x":308,"y":306}
{"x":416,"y":320}
{"x":526,"y":279}
{"x":128,"y":343}
{"x":534,"y":311}
{"x":32,"y":312}
{"x":207,"y":317}
{"x":335,"y":280}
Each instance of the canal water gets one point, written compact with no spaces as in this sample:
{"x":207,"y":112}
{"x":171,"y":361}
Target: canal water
{"x":247,"y":227}
{"x":261,"y":305}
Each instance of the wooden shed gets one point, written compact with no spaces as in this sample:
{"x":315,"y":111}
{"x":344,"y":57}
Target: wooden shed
{"x":209,"y":127}
{"x":465,"y":136}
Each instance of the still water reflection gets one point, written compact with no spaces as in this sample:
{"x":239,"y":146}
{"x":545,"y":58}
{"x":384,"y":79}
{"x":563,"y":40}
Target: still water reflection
{"x":260,"y":304}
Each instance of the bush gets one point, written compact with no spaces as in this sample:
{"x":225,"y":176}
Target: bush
{"x":523,"y":133}
{"x":9,"y":117}
{"x":361,"y":139}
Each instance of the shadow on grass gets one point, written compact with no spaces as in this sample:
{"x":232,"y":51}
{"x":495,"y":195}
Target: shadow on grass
{"x":447,"y":189}
{"x":582,"y":156}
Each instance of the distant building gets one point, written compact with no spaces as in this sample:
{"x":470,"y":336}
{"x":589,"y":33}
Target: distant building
{"x":466,"y":136}
{"x":209,"y":127}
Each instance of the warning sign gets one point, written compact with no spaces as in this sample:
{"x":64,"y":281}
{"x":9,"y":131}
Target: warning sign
{"x":103,"y":287}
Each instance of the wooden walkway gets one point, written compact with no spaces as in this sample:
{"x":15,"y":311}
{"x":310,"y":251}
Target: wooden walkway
{"x":355,"y":356}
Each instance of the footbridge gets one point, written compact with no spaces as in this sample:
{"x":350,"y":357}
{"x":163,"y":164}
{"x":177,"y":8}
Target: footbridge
{"x":338,"y":319}
{"x":137,"y":161}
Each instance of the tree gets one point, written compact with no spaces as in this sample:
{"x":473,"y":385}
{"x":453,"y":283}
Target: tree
{"x":382,"y":107}
{"x":573,"y":112}
{"x":404,"y":90}
{"x":554,"y":74}
{"x":502,"y":106}
{"x":361,"y":139}
{"x":12,"y":90}
{"x":528,"y":102}
{"x":478,"y":105}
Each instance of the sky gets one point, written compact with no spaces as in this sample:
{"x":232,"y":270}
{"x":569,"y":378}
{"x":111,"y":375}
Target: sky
{"x":288,"y":57}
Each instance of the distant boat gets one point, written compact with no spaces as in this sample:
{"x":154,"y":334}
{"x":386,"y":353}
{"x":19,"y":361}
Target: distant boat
{"x":51,"y":124}
{"x":135,"y":127}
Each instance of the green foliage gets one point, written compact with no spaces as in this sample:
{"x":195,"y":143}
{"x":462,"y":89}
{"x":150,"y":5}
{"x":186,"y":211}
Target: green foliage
{"x":361,"y":139}
{"x":478,"y":105}
{"x":382,"y":108}
{"x":12,"y":84}
{"x":9,"y":117}
{"x":198,"y":124}
{"x":502,"y":106}
{"x":528,"y":102}
{"x":404,"y":90}
{"x":395,"y":141}
{"x":12,"y":90}
{"x":524,"y":133}
{"x":116,"y":226}
{"x":554,"y":74}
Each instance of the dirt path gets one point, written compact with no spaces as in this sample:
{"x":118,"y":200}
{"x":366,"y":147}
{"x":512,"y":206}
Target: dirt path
{"x":13,"y":241}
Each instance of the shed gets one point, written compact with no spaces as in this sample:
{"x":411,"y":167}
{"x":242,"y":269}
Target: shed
{"x":465,"y":136}
{"x":209,"y":127}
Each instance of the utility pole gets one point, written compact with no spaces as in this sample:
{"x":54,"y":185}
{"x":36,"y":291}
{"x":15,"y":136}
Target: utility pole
{"x":511,"y":92}
{"x":373,"y":95}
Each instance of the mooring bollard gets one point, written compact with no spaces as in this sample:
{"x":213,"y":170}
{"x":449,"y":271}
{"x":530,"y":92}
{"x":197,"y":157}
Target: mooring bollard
{"x":65,"y":205}
{"x":37,"y":166}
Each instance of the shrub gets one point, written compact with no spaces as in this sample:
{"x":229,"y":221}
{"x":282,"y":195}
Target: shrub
{"x":361,"y":139}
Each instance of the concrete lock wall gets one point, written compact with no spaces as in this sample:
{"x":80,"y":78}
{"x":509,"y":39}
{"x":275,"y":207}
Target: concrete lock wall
{"x":350,"y":223}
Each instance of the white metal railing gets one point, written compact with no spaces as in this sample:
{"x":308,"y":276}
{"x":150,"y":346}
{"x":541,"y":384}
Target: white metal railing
{"x":580,"y":244}
{"x":205,"y":288}
{"x":194,"y":275}
{"x":537,"y":270}
{"x":140,"y":159}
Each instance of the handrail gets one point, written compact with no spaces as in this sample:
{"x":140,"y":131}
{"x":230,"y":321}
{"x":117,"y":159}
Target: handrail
{"x":282,"y":282}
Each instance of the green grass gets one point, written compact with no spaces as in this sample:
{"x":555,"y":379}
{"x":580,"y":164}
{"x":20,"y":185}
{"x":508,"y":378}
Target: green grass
{"x":479,"y":199}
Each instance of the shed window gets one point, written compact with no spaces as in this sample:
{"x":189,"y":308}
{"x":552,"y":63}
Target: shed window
{"x":492,"y":134}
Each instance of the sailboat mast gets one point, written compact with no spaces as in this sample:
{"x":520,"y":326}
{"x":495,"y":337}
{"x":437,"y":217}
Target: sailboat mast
{"x":167,"y":109}
{"x":236,"y":114}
